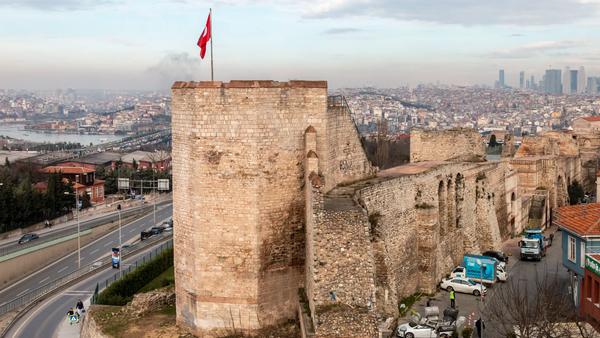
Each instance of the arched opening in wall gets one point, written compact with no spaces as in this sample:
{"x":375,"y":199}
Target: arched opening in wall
{"x":459,"y":186}
{"x":450,"y":204}
{"x":513,"y":199}
{"x":442,"y":207}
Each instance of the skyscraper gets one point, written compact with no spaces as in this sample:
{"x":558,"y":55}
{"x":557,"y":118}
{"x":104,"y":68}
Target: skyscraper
{"x":566,"y":81}
{"x":581,"y":80}
{"x":574,"y":80}
{"x":552,"y":81}
{"x":522,"y":79}
{"x":532,"y":83}
{"x":501,"y":83}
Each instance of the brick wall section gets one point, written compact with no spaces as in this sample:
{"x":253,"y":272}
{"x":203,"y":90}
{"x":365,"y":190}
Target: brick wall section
{"x":238,"y":153}
{"x":453,"y":144}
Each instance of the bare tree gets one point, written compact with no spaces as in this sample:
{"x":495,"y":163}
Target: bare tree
{"x":542,"y":307}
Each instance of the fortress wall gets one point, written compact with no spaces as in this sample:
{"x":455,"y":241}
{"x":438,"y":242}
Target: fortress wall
{"x":453,"y":144}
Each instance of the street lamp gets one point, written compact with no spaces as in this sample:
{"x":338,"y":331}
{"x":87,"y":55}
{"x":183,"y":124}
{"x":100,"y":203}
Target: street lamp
{"x":120,"y":242}
{"x":78,"y":225}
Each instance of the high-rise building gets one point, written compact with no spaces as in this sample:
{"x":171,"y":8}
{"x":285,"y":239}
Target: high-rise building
{"x":581,"y":80}
{"x":552,"y":81}
{"x":593,"y":85}
{"x":573,"y":82}
{"x":532,"y":83}
{"x":566,"y":81}
{"x":522,"y":79}
{"x":501,"y":83}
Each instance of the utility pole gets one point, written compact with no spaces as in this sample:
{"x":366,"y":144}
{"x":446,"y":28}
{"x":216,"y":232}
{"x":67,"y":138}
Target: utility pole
{"x":120,"y":242}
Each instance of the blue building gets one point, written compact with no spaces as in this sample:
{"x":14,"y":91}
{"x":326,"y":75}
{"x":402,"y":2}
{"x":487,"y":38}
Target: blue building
{"x":581,"y":234}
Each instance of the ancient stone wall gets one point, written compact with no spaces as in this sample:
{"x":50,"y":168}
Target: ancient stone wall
{"x":238,"y":162}
{"x":453,"y":144}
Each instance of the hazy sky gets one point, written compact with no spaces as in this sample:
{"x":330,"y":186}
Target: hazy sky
{"x":145,"y":44}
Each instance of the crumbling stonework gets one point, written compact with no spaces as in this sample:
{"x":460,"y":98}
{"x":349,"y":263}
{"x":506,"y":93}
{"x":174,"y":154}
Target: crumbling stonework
{"x":448,"y":145}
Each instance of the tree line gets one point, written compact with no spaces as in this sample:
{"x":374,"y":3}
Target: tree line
{"x":22,"y":204}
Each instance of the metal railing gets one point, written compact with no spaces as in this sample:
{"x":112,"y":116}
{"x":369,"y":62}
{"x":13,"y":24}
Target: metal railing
{"x":51,"y":286}
{"x":140,"y":261}
{"x":85,"y":225}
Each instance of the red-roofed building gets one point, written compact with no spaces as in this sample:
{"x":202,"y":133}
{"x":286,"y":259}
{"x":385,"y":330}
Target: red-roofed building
{"x":581,"y":235}
{"x":83,"y":179}
{"x":586,"y":124}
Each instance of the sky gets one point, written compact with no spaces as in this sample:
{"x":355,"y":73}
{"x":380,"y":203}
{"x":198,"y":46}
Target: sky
{"x":148,"y":44}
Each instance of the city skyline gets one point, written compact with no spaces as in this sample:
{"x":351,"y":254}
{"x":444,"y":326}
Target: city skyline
{"x":133,"y":45}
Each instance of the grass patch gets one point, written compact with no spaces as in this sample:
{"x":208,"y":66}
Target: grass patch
{"x":167,"y":278}
{"x":111,"y":320}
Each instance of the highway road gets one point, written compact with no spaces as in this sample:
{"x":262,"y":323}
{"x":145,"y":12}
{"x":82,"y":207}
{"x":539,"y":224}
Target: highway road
{"x":45,"y":319}
{"x":89,"y":254}
{"x":13,"y":246}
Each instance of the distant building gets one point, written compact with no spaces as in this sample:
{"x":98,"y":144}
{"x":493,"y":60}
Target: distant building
{"x":83,"y":179}
{"x":159,"y":161}
{"x":581,"y":80}
{"x":501,"y":82}
{"x":522,"y":79}
{"x":566,"y":81}
{"x":94,"y":161}
{"x":552,"y":81}
{"x":574,"y":80}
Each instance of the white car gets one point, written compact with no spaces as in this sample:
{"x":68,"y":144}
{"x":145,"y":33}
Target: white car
{"x":414,"y":330}
{"x":464,"y":285}
{"x":501,"y":274}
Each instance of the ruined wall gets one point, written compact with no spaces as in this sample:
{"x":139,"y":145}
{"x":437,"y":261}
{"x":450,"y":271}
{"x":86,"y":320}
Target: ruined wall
{"x":453,"y":144}
{"x":238,"y":153}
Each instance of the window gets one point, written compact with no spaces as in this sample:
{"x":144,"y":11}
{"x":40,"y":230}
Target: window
{"x":582,"y":254}
{"x":571,"y":249}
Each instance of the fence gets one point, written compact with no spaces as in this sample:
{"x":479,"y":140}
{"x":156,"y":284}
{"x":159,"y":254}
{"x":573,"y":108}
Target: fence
{"x":120,"y":274}
{"x":49,"y":287}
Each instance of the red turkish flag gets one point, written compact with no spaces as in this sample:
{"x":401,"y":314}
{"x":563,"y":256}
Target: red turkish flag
{"x":204,"y":38}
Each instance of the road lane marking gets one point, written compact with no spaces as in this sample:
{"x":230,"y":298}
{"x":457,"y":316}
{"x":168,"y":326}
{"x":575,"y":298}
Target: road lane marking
{"x":94,"y":251}
{"x":43,"y":280}
{"x":107,"y":244}
{"x":63,"y":269}
{"x":22,"y":293}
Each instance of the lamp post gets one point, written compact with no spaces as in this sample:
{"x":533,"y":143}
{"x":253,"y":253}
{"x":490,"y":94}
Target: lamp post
{"x":78,"y":225}
{"x":120,"y":242}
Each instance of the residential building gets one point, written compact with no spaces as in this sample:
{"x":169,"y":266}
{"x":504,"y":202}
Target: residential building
{"x":159,"y":161}
{"x":581,"y":235}
{"x":590,"y":302}
{"x":83,"y":179}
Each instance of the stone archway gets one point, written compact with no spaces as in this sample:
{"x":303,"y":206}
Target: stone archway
{"x":459,"y":186}
{"x":442,"y":207}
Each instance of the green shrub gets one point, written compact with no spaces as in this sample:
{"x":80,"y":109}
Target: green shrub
{"x":467,"y":332}
{"x":122,"y":291}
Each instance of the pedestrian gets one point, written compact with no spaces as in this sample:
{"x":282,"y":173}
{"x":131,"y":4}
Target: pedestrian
{"x":551,"y":238}
{"x":46,"y":224}
{"x":428,"y":302}
{"x":479,"y":325}
{"x":69,"y":314}
{"x":452,"y":299}
{"x":79,"y":307}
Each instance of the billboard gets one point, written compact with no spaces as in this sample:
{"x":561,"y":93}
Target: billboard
{"x":480,"y":266}
{"x":123,"y":184}
{"x":163,"y":184}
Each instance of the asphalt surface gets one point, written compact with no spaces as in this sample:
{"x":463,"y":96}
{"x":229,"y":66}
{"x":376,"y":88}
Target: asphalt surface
{"x":525,"y":272}
{"x":45,"y":320}
{"x":90,"y":253}
{"x":13,"y":246}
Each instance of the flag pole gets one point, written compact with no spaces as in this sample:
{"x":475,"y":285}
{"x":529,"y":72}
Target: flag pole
{"x":212,"y":76}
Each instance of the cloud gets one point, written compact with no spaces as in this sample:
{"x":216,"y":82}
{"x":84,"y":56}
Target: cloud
{"x":517,"y":35}
{"x":56,"y":5}
{"x":536,"y":49}
{"x":461,"y":12}
{"x":336,"y":31}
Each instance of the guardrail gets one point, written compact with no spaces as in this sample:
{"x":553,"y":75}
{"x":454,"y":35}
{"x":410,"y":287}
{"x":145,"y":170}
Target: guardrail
{"x":85,"y":225}
{"x":118,"y":275}
{"x":49,"y":287}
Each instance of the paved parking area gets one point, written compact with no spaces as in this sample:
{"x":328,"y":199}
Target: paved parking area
{"x":471,"y":306}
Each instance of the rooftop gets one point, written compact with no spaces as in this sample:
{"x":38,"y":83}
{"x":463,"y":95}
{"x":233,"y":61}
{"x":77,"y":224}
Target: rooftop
{"x":68,"y":170}
{"x":592,"y":118}
{"x":99,"y":158}
{"x":249,"y":84}
{"x":581,"y":219}
{"x":147,"y":156}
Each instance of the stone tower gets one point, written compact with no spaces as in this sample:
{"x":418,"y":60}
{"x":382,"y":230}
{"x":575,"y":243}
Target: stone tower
{"x":238,"y":180}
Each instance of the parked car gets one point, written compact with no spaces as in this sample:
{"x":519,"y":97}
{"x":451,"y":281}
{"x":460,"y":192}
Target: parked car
{"x":28,"y":238}
{"x":414,"y":330}
{"x":459,"y":271}
{"x":464,"y":285}
{"x":499,"y":255}
{"x":157,"y":230}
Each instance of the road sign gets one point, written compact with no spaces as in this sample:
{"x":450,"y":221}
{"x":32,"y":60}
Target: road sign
{"x":163,"y":184}
{"x":123,"y":184}
{"x":73,"y":318}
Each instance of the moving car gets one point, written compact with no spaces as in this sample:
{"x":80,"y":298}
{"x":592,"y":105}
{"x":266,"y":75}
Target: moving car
{"x":414,"y":330}
{"x":464,"y":285}
{"x":28,"y":238}
{"x":499,"y":255}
